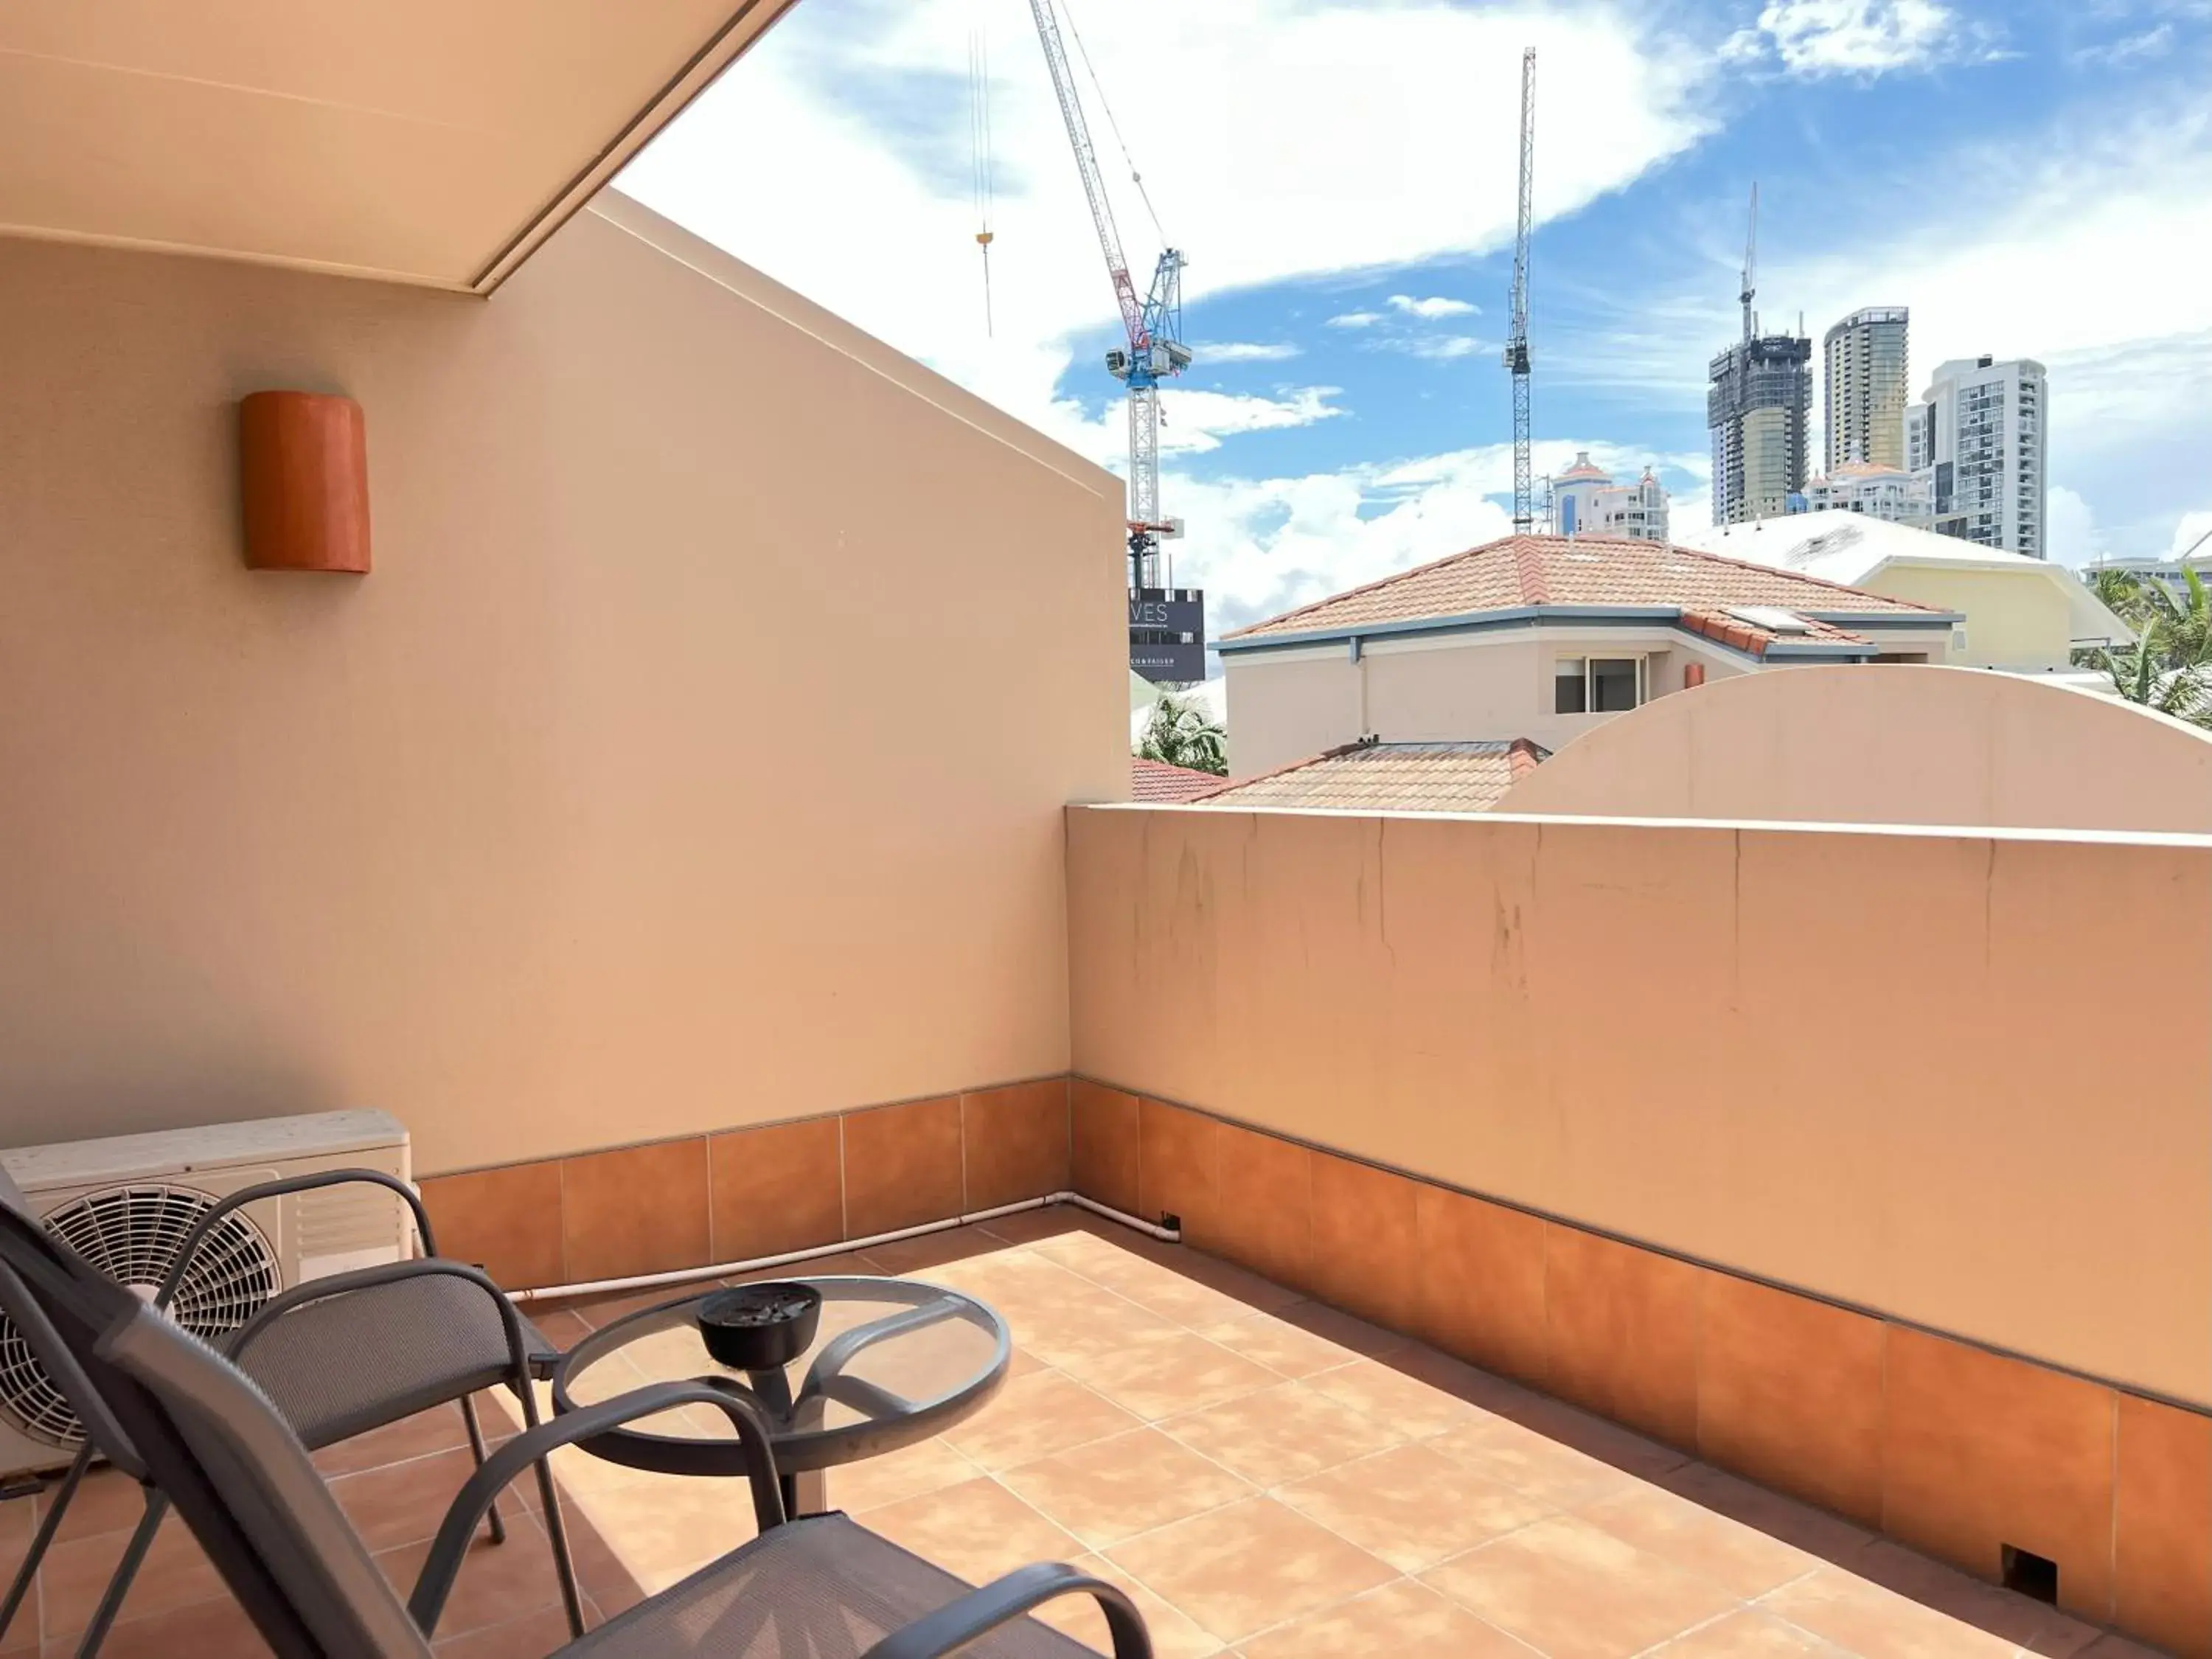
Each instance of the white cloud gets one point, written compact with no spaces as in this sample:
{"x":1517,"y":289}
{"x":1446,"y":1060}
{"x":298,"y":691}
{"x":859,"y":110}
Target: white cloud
{"x":1245,"y":352}
{"x":1429,"y":310}
{"x":2070,"y":528}
{"x":1439,"y":348}
{"x":1849,"y":37}
{"x":2192,"y":534}
{"x":1356,"y":320}
{"x":867,"y":207}
{"x":1194,"y":421}
{"x":2127,"y":48}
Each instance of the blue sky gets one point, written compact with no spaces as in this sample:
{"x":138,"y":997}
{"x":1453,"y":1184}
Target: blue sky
{"x":2033,"y":179}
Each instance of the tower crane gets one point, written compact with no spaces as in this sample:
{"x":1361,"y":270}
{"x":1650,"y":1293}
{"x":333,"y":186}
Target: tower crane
{"x":1516,"y":341}
{"x":1154,"y":324}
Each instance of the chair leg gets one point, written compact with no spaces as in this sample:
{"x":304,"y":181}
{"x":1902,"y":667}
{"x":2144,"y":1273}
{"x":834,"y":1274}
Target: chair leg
{"x":476,"y":1447}
{"x":27,"y":1574}
{"x":564,"y":1565}
{"x":556,"y":1526}
{"x":127,"y":1569}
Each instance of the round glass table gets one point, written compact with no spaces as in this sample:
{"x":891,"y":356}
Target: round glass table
{"x":894,"y":1362}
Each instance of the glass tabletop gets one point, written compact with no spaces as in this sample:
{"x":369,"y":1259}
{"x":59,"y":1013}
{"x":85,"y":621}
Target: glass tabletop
{"x":893,"y":1361}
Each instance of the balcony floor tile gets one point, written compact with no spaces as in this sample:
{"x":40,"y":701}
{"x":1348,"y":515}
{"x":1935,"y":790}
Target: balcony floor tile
{"x":1268,"y":1478}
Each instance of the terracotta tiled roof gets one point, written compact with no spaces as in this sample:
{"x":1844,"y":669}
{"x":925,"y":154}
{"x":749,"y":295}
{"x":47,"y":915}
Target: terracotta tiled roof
{"x":1584,"y":570}
{"x":1156,"y":781}
{"x":1392,"y":777}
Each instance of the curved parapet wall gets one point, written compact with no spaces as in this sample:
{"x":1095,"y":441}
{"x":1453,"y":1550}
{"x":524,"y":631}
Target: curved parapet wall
{"x":1893,"y":745}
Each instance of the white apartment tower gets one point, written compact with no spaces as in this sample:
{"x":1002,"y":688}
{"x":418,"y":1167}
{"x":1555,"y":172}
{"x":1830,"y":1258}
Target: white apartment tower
{"x":1867,"y":383}
{"x":1977,"y":438}
{"x":1585,"y":502}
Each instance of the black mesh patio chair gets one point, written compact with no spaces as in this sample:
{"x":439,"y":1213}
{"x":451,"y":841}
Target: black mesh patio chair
{"x":338,"y":1357}
{"x":820,"y":1587}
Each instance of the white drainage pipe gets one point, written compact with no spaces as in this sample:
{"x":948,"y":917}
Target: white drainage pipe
{"x":722,"y":1269}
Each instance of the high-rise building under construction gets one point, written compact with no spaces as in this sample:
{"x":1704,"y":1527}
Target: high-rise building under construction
{"x":1758,"y":409}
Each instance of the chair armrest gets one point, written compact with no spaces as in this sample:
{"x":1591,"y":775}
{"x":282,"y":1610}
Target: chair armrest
{"x":956,"y":1623}
{"x":263,"y":1189}
{"x":362,"y":1279}
{"x":532,"y":1445}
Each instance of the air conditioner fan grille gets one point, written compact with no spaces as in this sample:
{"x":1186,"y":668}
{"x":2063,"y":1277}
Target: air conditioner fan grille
{"x":132,"y":1234}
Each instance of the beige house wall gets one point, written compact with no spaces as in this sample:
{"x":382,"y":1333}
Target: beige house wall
{"x":2015,"y":619}
{"x":1291,"y":706}
{"x":625,"y":799}
{"x":1705,"y":1038}
{"x":1891,"y":745}
{"x":1287,"y":707}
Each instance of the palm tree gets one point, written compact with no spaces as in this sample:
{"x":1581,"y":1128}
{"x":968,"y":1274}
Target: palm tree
{"x":2168,"y":665}
{"x":1180,"y":735}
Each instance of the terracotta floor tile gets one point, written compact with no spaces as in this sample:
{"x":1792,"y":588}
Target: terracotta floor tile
{"x":1814,"y":1531}
{"x":666,"y":1527}
{"x":531,"y":1637}
{"x":1174,"y":1634}
{"x":438,"y":1429}
{"x":2036,"y":1625}
{"x":1741,"y":1559}
{"x":216,"y":1628}
{"x":1575,"y":1592}
{"x":175,"y":1574}
{"x":1112,"y":1489}
{"x":1864,"y":1617}
{"x":1248,"y":1287}
{"x":1174,"y":1294}
{"x":874,"y":1482}
{"x":1595,"y":1436}
{"x":105,"y":1501}
{"x":977,"y":1531}
{"x":1748,"y":1634}
{"x":1027,"y":1226}
{"x":400,"y":1503}
{"x":1372,"y":1387}
{"x":1405,"y":1620}
{"x":1280,"y":1345}
{"x":1182,"y":1373}
{"x":1334,"y":1325}
{"x":1091,"y":1327}
{"x":1240,"y":1570}
{"x":1411,"y":1506}
{"x":1284,"y":1434}
{"x":1519,"y":1457}
{"x":1034,"y":1417}
{"x":498,"y":1583}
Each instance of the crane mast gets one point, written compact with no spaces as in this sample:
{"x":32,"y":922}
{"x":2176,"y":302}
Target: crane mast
{"x":1152,"y":325}
{"x":1750,"y":268}
{"x":1516,"y":344}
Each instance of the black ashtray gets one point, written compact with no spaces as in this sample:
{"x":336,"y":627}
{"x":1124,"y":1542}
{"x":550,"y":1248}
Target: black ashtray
{"x":760,"y":1328}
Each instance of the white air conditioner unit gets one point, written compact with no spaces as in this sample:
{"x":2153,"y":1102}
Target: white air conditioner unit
{"x":126,"y":1202}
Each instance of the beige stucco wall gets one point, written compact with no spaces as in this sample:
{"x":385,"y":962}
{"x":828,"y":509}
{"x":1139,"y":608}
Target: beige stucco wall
{"x":1284,"y":708}
{"x":2015,"y":619}
{"x":1707,"y":1038}
{"x":1291,"y":706}
{"x":630,"y":794}
{"x":1889,"y":745}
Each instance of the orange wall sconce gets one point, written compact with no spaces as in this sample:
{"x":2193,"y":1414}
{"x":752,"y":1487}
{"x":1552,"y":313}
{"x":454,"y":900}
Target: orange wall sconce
{"x":303,"y":461}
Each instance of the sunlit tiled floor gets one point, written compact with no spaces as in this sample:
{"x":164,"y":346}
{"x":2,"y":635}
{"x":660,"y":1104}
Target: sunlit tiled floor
{"x":1266,"y":1476}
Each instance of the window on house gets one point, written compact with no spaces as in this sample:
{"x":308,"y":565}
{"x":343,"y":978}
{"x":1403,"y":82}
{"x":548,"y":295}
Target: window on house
{"x":1570,"y":690}
{"x":1616,"y":685}
{"x":1597,"y":685}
